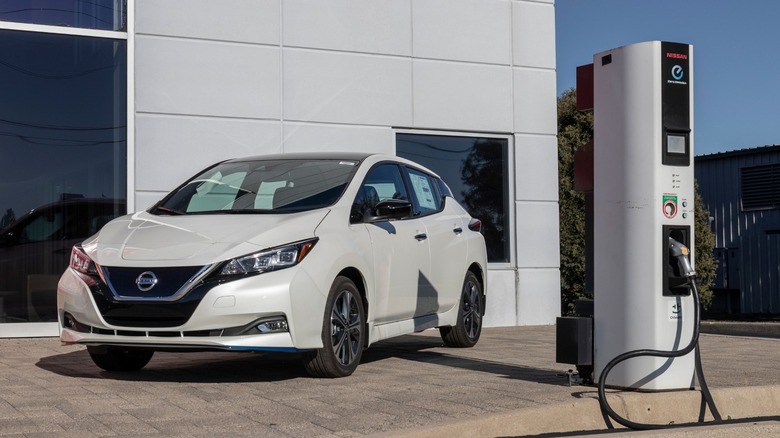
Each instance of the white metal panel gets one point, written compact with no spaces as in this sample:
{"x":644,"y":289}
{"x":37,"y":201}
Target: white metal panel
{"x":248,"y":21}
{"x":183,"y":76}
{"x":319,"y":137}
{"x":378,"y":26}
{"x":501,"y":298}
{"x":536,"y":167}
{"x":533,"y":35}
{"x":538,"y":296}
{"x":449,"y":95}
{"x":145,"y":199}
{"x":130,"y":108}
{"x":464,"y":30}
{"x":538,"y":245}
{"x":535,"y":101}
{"x":29,"y":330}
{"x":170,"y":149}
{"x":336,"y":87}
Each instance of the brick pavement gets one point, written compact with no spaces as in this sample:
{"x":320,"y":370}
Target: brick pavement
{"x":412,"y":381}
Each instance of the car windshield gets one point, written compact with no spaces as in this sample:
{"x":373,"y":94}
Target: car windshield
{"x":260,"y":186}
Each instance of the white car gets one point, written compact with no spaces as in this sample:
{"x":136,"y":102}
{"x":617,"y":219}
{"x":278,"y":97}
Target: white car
{"x":319,"y":254}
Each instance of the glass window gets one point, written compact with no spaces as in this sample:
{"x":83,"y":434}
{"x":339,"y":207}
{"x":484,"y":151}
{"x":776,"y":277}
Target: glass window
{"x":62,"y":158}
{"x":261,"y":186}
{"x":86,"y":14}
{"x":476,"y":170}
{"x":383,"y":182}
{"x":426,"y":197}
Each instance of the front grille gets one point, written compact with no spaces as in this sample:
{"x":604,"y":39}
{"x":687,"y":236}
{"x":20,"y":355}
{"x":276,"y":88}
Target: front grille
{"x":125,"y":285}
{"x":149,"y":311}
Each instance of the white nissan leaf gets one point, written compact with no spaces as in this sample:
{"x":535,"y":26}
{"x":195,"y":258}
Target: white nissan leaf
{"x":318,"y":254}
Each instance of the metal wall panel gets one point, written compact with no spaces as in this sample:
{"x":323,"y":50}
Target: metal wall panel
{"x":750,"y":239}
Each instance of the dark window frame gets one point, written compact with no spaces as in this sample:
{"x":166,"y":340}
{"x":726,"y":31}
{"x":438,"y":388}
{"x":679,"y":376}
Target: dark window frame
{"x":497,"y":219}
{"x":73,"y":14}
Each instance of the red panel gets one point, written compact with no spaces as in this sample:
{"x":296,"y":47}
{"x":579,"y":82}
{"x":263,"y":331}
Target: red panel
{"x":585,"y":87}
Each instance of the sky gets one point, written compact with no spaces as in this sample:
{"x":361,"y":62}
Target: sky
{"x":736,"y":58}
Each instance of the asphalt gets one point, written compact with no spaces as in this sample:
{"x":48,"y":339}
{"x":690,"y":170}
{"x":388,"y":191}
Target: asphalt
{"x":508,"y":385}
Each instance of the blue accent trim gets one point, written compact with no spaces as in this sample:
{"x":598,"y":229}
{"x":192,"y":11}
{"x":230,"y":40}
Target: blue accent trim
{"x":272,"y":349}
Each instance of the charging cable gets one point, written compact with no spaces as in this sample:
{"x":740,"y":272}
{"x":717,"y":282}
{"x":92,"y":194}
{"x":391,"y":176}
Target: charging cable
{"x":680,"y":252}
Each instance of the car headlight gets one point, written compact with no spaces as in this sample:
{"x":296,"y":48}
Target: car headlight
{"x":83,"y":265}
{"x":269,"y":260}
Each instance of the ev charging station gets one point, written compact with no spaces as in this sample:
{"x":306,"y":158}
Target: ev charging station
{"x":640,"y":194}
{"x":643,"y":193}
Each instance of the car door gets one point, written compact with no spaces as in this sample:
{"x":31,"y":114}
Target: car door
{"x":444,"y":226}
{"x":401,"y":251}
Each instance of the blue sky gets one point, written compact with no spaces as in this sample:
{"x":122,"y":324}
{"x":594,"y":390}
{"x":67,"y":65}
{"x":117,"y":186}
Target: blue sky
{"x":736,"y":58}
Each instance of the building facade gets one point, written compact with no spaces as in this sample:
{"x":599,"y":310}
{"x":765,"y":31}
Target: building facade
{"x":741,"y":190}
{"x":465,"y":87}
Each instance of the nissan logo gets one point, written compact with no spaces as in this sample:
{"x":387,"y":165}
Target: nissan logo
{"x":146,"y":281}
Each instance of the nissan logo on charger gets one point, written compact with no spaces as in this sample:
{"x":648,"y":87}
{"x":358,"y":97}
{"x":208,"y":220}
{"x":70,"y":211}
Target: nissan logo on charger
{"x":146,"y":281}
{"x":677,"y":72}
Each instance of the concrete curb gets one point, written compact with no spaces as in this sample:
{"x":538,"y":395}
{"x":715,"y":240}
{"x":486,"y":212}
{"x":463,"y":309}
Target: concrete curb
{"x":740,"y":328}
{"x":678,"y":407}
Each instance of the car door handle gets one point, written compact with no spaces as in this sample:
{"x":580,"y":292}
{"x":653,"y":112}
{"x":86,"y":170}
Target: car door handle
{"x":457,"y":230}
{"x":421,"y":236}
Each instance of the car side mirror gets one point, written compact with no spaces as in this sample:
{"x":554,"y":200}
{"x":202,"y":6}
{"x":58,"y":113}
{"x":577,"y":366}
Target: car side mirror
{"x":390,"y":209}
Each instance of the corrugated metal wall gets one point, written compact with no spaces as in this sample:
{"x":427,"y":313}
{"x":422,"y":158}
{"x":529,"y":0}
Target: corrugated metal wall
{"x":748,"y":242}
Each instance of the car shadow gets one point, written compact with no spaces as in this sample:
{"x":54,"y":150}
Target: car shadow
{"x":190,"y":367}
{"x":432,"y":350}
{"x":225,"y":367}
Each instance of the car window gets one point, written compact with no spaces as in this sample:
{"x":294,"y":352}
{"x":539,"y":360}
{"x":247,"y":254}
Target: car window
{"x":383,"y":182}
{"x":42,"y":227}
{"x":216,"y":192}
{"x":261,"y":186}
{"x":426,"y":198}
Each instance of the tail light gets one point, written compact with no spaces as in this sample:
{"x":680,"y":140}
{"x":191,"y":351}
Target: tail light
{"x":475,"y":225}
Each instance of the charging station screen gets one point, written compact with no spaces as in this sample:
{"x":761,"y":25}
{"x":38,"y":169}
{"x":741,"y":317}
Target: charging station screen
{"x":675,"y":144}
{"x":676,"y":103}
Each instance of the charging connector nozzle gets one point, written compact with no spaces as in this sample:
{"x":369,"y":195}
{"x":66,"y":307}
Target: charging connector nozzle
{"x":680,"y":252}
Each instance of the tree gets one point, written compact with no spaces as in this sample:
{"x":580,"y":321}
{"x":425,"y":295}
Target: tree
{"x":704,"y":244}
{"x":575,"y":129}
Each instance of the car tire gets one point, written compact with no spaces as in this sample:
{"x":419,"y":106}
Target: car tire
{"x":343,"y":333}
{"x":120,"y":359}
{"x":469,"y":327}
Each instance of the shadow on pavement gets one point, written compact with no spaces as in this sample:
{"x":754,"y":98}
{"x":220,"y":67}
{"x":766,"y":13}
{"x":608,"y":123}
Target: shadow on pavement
{"x":414,"y":348}
{"x":191,"y":367}
{"x":219,"y":367}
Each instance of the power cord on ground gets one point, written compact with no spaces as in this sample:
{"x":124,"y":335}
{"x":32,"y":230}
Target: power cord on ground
{"x":608,"y":412}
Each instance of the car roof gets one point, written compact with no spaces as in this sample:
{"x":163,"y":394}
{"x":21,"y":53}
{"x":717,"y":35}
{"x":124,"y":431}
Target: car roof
{"x":354,"y":156}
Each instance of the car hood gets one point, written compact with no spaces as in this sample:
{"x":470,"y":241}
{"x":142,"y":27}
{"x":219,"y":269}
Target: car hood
{"x":143,"y":239}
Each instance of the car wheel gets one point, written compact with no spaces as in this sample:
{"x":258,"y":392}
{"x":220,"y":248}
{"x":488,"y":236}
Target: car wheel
{"x":343,"y":333}
{"x":466,"y":332}
{"x":120,"y":359}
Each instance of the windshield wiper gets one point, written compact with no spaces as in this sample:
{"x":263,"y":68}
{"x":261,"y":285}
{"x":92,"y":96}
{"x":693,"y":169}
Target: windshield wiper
{"x":170,"y":211}
{"x":246,"y":211}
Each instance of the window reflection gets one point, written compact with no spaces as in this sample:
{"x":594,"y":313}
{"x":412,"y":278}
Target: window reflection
{"x":475,"y":169}
{"x":86,"y":14}
{"x":62,"y":159}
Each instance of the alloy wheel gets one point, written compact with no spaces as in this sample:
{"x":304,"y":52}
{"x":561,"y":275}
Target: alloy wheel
{"x":345,"y":328}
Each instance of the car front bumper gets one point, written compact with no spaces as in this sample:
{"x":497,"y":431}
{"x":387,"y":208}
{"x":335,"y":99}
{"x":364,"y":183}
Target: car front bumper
{"x":226,"y":317}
